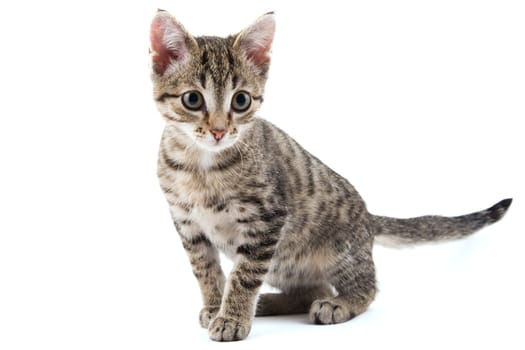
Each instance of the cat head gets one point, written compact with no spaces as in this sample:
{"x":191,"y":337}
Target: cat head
{"x":209,"y":88}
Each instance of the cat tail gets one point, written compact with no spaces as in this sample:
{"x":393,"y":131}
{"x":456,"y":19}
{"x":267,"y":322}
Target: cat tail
{"x":394,"y":232}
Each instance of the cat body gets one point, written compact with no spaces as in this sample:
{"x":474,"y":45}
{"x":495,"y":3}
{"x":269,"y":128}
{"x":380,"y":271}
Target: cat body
{"x":238,"y":184}
{"x":295,"y":194}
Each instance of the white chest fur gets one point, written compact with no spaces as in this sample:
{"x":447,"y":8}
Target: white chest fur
{"x":219,"y":228}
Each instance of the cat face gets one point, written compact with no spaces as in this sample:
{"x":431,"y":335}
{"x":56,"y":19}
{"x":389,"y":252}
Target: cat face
{"x":208,"y":89}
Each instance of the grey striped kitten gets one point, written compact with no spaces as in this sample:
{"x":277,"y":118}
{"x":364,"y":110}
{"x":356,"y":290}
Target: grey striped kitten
{"x":239,"y":184}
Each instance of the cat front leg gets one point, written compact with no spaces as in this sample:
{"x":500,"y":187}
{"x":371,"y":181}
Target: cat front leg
{"x":204,"y":259}
{"x":235,"y":317}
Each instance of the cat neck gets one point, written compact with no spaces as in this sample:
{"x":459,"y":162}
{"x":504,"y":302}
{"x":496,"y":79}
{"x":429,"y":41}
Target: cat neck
{"x":195,"y":159}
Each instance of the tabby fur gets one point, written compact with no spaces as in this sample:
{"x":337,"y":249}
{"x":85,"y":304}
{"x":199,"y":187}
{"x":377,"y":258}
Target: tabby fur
{"x":238,"y":184}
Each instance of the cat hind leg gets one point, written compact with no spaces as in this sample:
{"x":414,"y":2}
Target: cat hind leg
{"x":354,"y":280}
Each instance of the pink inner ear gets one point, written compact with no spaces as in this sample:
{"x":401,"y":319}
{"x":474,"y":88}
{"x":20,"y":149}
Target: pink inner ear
{"x":259,"y":54}
{"x":163,"y":55}
{"x":257,"y":41}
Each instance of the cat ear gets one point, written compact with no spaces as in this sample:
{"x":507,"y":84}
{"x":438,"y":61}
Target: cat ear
{"x":256,"y":41}
{"x":170,"y":42}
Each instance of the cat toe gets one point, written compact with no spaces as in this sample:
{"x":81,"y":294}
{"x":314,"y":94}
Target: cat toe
{"x":329,"y":312}
{"x":207,"y":314}
{"x":228,"y":329}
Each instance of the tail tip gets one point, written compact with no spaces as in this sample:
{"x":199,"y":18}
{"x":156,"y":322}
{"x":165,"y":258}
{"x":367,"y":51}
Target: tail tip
{"x":498,"y":210}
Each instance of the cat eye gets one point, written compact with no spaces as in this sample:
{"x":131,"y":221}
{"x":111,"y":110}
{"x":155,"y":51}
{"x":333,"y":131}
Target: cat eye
{"x":192,"y":100}
{"x":241,"y":101}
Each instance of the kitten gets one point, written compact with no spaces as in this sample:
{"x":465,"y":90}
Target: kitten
{"x":239,"y":184}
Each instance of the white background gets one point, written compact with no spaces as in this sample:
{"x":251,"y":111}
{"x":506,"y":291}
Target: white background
{"x":418,"y":103}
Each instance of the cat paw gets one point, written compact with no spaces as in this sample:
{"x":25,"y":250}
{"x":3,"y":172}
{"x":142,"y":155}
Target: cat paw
{"x":207,"y":314}
{"x":228,"y":329}
{"x":329,"y":312}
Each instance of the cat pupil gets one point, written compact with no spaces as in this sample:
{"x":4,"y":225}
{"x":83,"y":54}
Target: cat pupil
{"x":241,"y":100}
{"x":193,"y":98}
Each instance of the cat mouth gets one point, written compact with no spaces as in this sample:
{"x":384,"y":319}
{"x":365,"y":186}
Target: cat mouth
{"x":216,"y":145}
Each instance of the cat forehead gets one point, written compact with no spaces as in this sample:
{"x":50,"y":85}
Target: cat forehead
{"x":217,"y":60}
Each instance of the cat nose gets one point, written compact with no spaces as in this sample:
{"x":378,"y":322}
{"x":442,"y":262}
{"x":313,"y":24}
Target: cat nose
{"x":218,"y":134}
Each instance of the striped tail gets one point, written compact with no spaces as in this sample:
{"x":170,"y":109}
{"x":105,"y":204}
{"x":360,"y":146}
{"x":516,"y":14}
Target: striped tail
{"x":397,"y":232}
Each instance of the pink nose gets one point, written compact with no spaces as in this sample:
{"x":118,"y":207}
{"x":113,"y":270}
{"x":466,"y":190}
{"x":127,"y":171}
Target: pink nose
{"x":218,"y":134}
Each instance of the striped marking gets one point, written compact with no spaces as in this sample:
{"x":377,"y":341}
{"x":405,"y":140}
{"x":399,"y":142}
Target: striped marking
{"x":165,"y":96}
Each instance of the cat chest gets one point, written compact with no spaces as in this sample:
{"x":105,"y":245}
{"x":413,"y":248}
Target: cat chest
{"x":218,"y":226}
